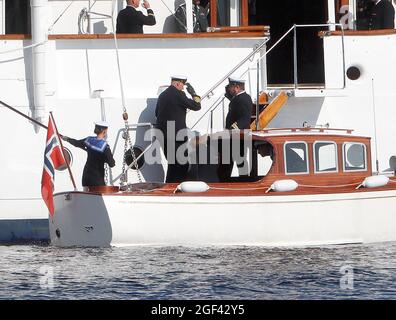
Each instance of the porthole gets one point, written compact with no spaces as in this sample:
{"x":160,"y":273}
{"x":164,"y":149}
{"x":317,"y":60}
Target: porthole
{"x":353,"y":73}
{"x":68,"y":157}
{"x":129,"y":159}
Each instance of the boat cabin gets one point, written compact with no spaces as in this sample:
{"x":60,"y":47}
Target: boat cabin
{"x":317,"y":155}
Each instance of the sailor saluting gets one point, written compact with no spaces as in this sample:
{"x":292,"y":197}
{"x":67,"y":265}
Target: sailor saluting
{"x":98,"y":152}
{"x":171,"y":109}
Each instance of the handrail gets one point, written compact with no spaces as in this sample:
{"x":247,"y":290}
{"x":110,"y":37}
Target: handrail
{"x":217,"y":103}
{"x":105,"y":36}
{"x":257,"y":49}
{"x":293,"y":28}
{"x":238,"y":66}
{"x":304,"y":129}
{"x":209,"y":110}
{"x":241,"y":28}
{"x":319,"y":25}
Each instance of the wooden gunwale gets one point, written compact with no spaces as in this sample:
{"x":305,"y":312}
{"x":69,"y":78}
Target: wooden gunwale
{"x":382,"y":32}
{"x":300,"y":191}
{"x":208,"y":35}
{"x":309,"y":184}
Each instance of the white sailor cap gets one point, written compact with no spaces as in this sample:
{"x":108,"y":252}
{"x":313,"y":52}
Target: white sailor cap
{"x":102,"y":124}
{"x":235,"y":80}
{"x":179,"y":78}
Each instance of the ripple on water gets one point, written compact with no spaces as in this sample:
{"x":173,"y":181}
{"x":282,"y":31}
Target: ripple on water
{"x":198,"y":273}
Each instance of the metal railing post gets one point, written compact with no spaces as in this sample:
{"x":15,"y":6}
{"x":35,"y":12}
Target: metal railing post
{"x":295,"y":58}
{"x":258,"y":96}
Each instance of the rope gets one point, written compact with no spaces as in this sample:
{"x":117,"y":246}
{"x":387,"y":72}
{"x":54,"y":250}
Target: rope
{"x":174,"y":15}
{"x":335,"y":186}
{"x":43,"y":42}
{"x":61,"y":15}
{"x":24,"y":48}
{"x":260,"y":188}
{"x":125,"y":114}
{"x":82,"y":17}
{"x":238,"y":189}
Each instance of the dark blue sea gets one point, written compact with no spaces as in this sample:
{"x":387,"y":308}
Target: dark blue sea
{"x":169,"y":273}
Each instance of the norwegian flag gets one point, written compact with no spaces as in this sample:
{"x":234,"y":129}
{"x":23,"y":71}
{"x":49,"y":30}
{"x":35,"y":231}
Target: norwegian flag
{"x":53,"y":159}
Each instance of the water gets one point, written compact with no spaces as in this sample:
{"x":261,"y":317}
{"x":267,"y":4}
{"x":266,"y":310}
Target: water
{"x":45,"y":272}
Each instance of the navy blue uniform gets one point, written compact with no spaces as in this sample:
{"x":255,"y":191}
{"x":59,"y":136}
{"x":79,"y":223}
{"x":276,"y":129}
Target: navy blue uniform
{"x":172,"y":105}
{"x":200,"y":18}
{"x":99,"y":153}
{"x":382,"y":16}
{"x":130,"y":20}
{"x":240,"y":111}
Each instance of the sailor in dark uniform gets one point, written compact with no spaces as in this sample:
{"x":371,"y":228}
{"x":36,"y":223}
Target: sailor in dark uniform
{"x":130,"y":20}
{"x":382,"y":15}
{"x":238,"y":118}
{"x":172,"y":106}
{"x":240,"y":108}
{"x":98,"y":152}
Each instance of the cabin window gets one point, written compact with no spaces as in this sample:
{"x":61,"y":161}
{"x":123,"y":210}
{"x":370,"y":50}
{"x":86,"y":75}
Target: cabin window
{"x":355,"y":158}
{"x":296,"y":157}
{"x":325,"y":156}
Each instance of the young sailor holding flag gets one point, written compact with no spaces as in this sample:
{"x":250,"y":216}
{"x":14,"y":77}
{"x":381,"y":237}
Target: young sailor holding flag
{"x":98,"y":152}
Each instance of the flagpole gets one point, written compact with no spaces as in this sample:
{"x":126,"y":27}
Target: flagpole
{"x":23,"y":115}
{"x":63,"y":152}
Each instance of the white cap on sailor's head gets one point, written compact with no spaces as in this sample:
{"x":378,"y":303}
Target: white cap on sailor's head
{"x":179,"y":77}
{"x":235,"y":80}
{"x":102,"y":124}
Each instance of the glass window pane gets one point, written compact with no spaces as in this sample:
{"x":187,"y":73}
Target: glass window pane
{"x":354,"y":156}
{"x":223,"y":12}
{"x":296,"y":157}
{"x":325,"y":157}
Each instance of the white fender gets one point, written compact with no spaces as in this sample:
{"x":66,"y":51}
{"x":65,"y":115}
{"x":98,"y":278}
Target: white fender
{"x":375,"y":181}
{"x":193,"y":186}
{"x":283,"y":185}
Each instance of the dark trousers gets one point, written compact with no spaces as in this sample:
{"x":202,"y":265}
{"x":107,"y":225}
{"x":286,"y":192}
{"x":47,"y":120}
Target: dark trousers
{"x":225,"y":167}
{"x":176,"y":172}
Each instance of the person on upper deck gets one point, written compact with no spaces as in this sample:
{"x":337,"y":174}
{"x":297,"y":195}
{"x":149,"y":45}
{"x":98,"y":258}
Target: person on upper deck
{"x":130,"y":20}
{"x":98,"y":152}
{"x":172,"y":106}
{"x":200,"y":17}
{"x":382,"y":15}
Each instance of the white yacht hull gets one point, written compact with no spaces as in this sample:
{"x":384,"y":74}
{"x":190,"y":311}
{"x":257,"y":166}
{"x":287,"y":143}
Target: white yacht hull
{"x":23,"y":220}
{"x":120,"y":220}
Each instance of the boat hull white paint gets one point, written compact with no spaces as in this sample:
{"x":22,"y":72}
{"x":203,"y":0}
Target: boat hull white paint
{"x":94,"y":220}
{"x":23,"y":221}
